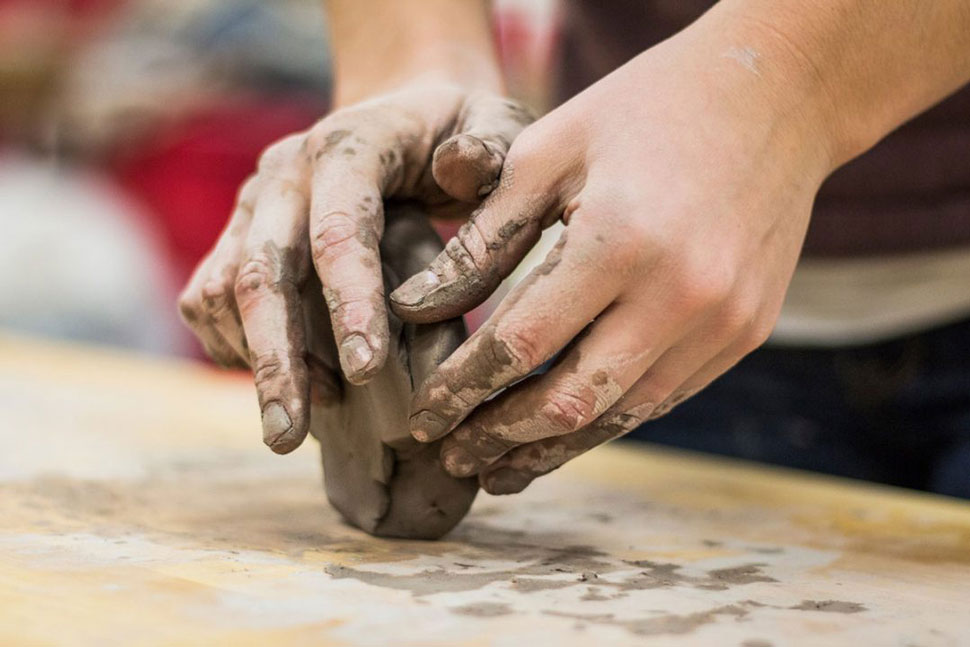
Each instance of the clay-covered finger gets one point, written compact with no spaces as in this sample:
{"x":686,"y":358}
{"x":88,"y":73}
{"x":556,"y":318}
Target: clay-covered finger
{"x":352,"y":170}
{"x":194,"y":315}
{"x":588,"y":378}
{"x":528,"y":328}
{"x":474,"y":262}
{"x":514,"y":471}
{"x":519,"y":467}
{"x":678,"y":374}
{"x":268,"y":295}
{"x":467,"y":165}
{"x":208,"y":304}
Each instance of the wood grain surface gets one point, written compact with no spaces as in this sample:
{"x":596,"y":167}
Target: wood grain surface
{"x":139,"y":507}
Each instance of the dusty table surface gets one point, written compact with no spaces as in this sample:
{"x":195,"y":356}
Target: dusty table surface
{"x":139,"y":507}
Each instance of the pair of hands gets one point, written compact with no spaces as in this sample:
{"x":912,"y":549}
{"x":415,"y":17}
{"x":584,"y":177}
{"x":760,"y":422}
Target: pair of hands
{"x":686,"y":190}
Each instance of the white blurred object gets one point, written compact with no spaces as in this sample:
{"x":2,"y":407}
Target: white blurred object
{"x":76,"y":261}
{"x":852,"y":301}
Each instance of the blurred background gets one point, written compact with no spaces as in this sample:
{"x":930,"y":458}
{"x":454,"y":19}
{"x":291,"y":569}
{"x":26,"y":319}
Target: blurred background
{"x":126,"y":127}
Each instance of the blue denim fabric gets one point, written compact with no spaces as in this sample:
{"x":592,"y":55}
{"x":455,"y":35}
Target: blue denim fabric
{"x":896,"y":412}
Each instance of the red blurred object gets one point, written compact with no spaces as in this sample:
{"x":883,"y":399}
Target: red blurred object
{"x":74,"y":7}
{"x":188,"y":175}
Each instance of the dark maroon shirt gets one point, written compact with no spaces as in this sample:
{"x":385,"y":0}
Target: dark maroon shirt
{"x":911,"y":192}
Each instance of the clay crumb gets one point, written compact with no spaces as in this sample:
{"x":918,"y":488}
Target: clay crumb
{"x":483,"y":609}
{"x":831,"y":606}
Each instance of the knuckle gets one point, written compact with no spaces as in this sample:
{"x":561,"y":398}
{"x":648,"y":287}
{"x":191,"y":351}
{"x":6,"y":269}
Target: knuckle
{"x":470,"y":250}
{"x":216,"y":296}
{"x":280,"y":154}
{"x":567,"y":410}
{"x":517,"y":348}
{"x":247,"y":191}
{"x":612,"y":424}
{"x":333,"y":130}
{"x":332,"y":235}
{"x":631,"y":240}
{"x":268,"y":366}
{"x":189,"y":307}
{"x":734,"y":316}
{"x":256,"y":274}
{"x":353,"y":309}
{"x":757,"y":334}
{"x":701,"y":288}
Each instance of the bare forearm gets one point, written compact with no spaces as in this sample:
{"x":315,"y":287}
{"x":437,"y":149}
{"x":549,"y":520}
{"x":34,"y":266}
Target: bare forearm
{"x":378,"y":44}
{"x":865,"y":66}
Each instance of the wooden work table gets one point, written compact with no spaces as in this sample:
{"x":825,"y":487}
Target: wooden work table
{"x":139,"y":507}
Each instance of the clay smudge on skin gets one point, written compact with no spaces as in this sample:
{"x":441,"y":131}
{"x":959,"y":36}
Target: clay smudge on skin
{"x":331,"y":141}
{"x":746,"y":56}
{"x":507,"y":231}
{"x":471,"y":266}
{"x":514,"y":472}
{"x":366,"y":319}
{"x":668,"y":405}
{"x":468,"y":167}
{"x":277,"y":376}
{"x":482,"y":366}
{"x":507,"y":422}
{"x":830,"y":606}
{"x":188,"y":312}
{"x":553,"y":259}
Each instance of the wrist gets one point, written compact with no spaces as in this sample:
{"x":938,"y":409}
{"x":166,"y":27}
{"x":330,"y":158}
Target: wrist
{"x":769,"y":76}
{"x":442,"y":62}
{"x":381,"y":45}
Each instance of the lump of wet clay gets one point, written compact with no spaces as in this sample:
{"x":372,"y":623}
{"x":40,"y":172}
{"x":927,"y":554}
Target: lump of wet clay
{"x":376,"y":475}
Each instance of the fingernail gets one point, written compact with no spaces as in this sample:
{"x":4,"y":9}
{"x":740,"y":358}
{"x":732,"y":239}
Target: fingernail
{"x":458,"y":462}
{"x":427,"y":426}
{"x":413,"y":291}
{"x":276,"y":423}
{"x":506,"y":480}
{"x":355,"y":355}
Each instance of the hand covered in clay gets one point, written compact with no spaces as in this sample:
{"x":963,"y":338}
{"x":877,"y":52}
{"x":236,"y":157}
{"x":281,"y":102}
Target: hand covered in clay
{"x":685,"y":180}
{"x":315,"y":204}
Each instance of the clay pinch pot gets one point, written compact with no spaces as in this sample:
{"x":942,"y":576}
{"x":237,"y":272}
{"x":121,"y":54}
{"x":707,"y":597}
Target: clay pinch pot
{"x":376,"y":475}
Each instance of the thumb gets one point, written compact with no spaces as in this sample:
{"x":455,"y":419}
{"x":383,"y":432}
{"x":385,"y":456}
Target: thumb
{"x":486,"y":250}
{"x":468,"y":164}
